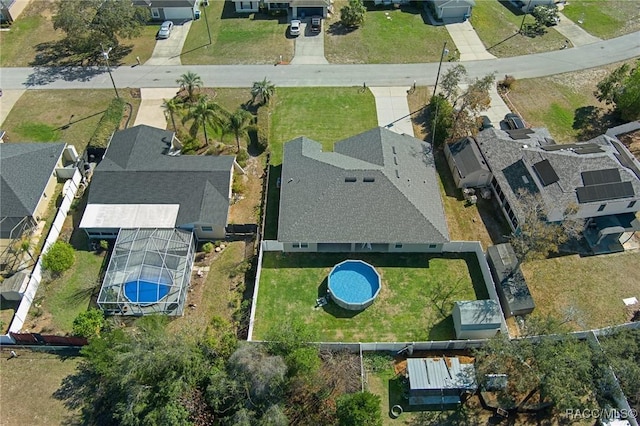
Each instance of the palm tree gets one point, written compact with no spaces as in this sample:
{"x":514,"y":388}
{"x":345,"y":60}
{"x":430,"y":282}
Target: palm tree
{"x":239,"y":124}
{"x":202,"y":113}
{"x":171,"y":106}
{"x":189,"y":81}
{"x":263,"y":90}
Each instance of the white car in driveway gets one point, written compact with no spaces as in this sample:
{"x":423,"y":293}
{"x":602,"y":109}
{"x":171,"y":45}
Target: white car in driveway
{"x":294,"y":27}
{"x":165,"y":30}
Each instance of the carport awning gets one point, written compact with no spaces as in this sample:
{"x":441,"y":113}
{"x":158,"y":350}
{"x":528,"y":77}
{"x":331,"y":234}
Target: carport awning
{"x":130,"y":216}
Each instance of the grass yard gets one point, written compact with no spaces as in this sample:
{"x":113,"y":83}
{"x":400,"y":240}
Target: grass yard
{"x":604,"y":18}
{"x":326,"y":115}
{"x":587,"y":291}
{"x":407,"y":308}
{"x":29,"y":384}
{"x":253,"y":38}
{"x":497,"y":26}
{"x":141,"y":45}
{"x":562,"y":103}
{"x":378,"y":40}
{"x":33,"y":27}
{"x":43,"y":115}
{"x":214,"y":294}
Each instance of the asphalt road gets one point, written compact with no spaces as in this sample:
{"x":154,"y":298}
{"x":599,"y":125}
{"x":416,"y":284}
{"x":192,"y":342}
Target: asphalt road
{"x":543,"y":64}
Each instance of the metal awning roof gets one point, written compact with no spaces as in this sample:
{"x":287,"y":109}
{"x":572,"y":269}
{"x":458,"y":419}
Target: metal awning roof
{"x":130,"y":216}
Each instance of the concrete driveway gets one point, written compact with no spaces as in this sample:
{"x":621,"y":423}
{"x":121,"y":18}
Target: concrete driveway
{"x":7,"y":101}
{"x":574,"y":33}
{"x":151,"y":112}
{"x":309,"y":47}
{"x":467,"y":41}
{"x":167,"y":52}
{"x":393,"y":109}
{"x":498,"y":108}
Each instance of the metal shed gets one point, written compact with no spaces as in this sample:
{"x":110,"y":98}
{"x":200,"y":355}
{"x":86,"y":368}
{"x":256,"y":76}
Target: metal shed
{"x":476,"y":319}
{"x":440,"y":383}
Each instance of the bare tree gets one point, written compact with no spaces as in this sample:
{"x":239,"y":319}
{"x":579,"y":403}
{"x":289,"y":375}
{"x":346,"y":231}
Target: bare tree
{"x":451,"y":82}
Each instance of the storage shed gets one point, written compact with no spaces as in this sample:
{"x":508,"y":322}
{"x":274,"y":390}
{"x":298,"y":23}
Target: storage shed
{"x":466,"y":164}
{"x":476,"y":319}
{"x":440,"y":383}
{"x":511,"y":285}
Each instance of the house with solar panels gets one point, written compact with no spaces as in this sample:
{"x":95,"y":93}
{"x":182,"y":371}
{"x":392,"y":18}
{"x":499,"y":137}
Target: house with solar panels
{"x":375,"y":192}
{"x":599,"y":179}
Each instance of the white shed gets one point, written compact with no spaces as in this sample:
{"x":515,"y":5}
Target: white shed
{"x":476,"y":319}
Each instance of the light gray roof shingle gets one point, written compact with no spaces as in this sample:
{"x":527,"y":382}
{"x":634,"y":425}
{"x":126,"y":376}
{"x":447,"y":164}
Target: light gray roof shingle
{"x":135,"y":170}
{"x":395,"y":196}
{"x":25,"y":169}
{"x":511,"y":160}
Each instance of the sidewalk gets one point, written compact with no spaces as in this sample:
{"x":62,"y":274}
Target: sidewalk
{"x":467,"y":41}
{"x":151,"y":112}
{"x":393,"y":109}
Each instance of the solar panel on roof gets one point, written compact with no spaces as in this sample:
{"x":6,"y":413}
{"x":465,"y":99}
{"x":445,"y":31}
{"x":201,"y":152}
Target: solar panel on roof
{"x":588,"y":149}
{"x":545,"y":172}
{"x":519,"y":133}
{"x":597,"y":177}
{"x":605,"y":191}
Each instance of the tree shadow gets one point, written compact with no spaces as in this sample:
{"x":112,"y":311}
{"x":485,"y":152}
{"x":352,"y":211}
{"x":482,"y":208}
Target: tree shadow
{"x":337,"y":28}
{"x":442,"y":330}
{"x":591,"y":121}
{"x":74,"y":389}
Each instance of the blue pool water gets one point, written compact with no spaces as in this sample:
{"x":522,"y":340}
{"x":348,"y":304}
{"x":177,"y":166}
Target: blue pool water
{"x":145,"y":292}
{"x":354,"y":282}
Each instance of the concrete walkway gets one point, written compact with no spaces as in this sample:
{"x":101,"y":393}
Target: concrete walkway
{"x":498,"y":108}
{"x":151,"y":112}
{"x":309,"y":47}
{"x":574,"y":33}
{"x":167,"y":52}
{"x":7,"y":101}
{"x":393,"y":109}
{"x":467,"y":41}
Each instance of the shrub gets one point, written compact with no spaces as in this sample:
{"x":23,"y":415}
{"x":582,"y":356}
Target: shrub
{"x":104,"y":244}
{"x":361,"y":408}
{"x":238,"y":186}
{"x":208,"y":247}
{"x":508,"y":83}
{"x":264,"y":123}
{"x":353,"y":14}
{"x":89,"y":323}
{"x":108,"y":124}
{"x":241,"y":157}
{"x":59,"y":257}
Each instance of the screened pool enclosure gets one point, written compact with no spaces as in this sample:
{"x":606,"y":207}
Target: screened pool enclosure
{"x":149,"y":272}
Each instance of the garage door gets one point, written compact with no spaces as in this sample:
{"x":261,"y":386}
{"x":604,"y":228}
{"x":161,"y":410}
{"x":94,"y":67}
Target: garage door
{"x":309,"y":11}
{"x":454,"y":12}
{"x":178,"y":13}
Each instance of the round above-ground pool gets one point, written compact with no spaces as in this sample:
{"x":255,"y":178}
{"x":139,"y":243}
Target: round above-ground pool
{"x":145,"y":292}
{"x":354,"y":284}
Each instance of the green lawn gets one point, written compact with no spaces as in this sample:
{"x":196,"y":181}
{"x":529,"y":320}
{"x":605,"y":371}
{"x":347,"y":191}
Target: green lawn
{"x":405,"y":309}
{"x":326,"y":115}
{"x":141,"y":45}
{"x":33,"y":27}
{"x":404,"y":38}
{"x":585,"y":291}
{"x":604,"y":18}
{"x":497,"y":26}
{"x":237,"y":38}
{"x":44,"y":115}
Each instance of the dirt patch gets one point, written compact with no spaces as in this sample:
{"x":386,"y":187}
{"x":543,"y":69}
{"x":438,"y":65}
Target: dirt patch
{"x":245,"y":207}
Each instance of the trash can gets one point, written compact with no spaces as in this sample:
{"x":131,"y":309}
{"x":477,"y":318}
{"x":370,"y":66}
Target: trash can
{"x":196,"y":15}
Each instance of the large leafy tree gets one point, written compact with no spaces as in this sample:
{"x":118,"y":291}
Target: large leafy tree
{"x":190,"y":81}
{"x":262,"y":90}
{"x":361,"y":408}
{"x":59,"y":257}
{"x":88,"y":23}
{"x":621,"y":89}
{"x":440,"y":119}
{"x":205,"y":112}
{"x":353,"y":14}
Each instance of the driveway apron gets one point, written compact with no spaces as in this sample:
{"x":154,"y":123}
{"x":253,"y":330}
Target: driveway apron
{"x":7,"y":101}
{"x":151,"y":112}
{"x":393,"y":109}
{"x":167,"y":52}
{"x":574,"y":33}
{"x":309,"y":47}
{"x":467,"y":42}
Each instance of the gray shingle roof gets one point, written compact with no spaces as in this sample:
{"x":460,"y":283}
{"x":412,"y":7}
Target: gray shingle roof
{"x":165,"y":3}
{"x":503,"y":262}
{"x":25,"y":169}
{"x":395,"y":196}
{"x":135,"y":170}
{"x":467,"y":157}
{"x":511,"y":163}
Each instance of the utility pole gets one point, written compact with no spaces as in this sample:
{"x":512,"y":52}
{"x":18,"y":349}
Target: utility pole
{"x":206,"y":21}
{"x":524,"y":16}
{"x":105,"y":55}
{"x":435,"y":87}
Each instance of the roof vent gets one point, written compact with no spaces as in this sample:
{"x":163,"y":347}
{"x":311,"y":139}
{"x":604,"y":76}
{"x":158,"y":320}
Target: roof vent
{"x":393,"y":148}
{"x":395,"y":160}
{"x":350,"y":179}
{"x":369,"y":179}
{"x":525,"y":180}
{"x":397,"y":173}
